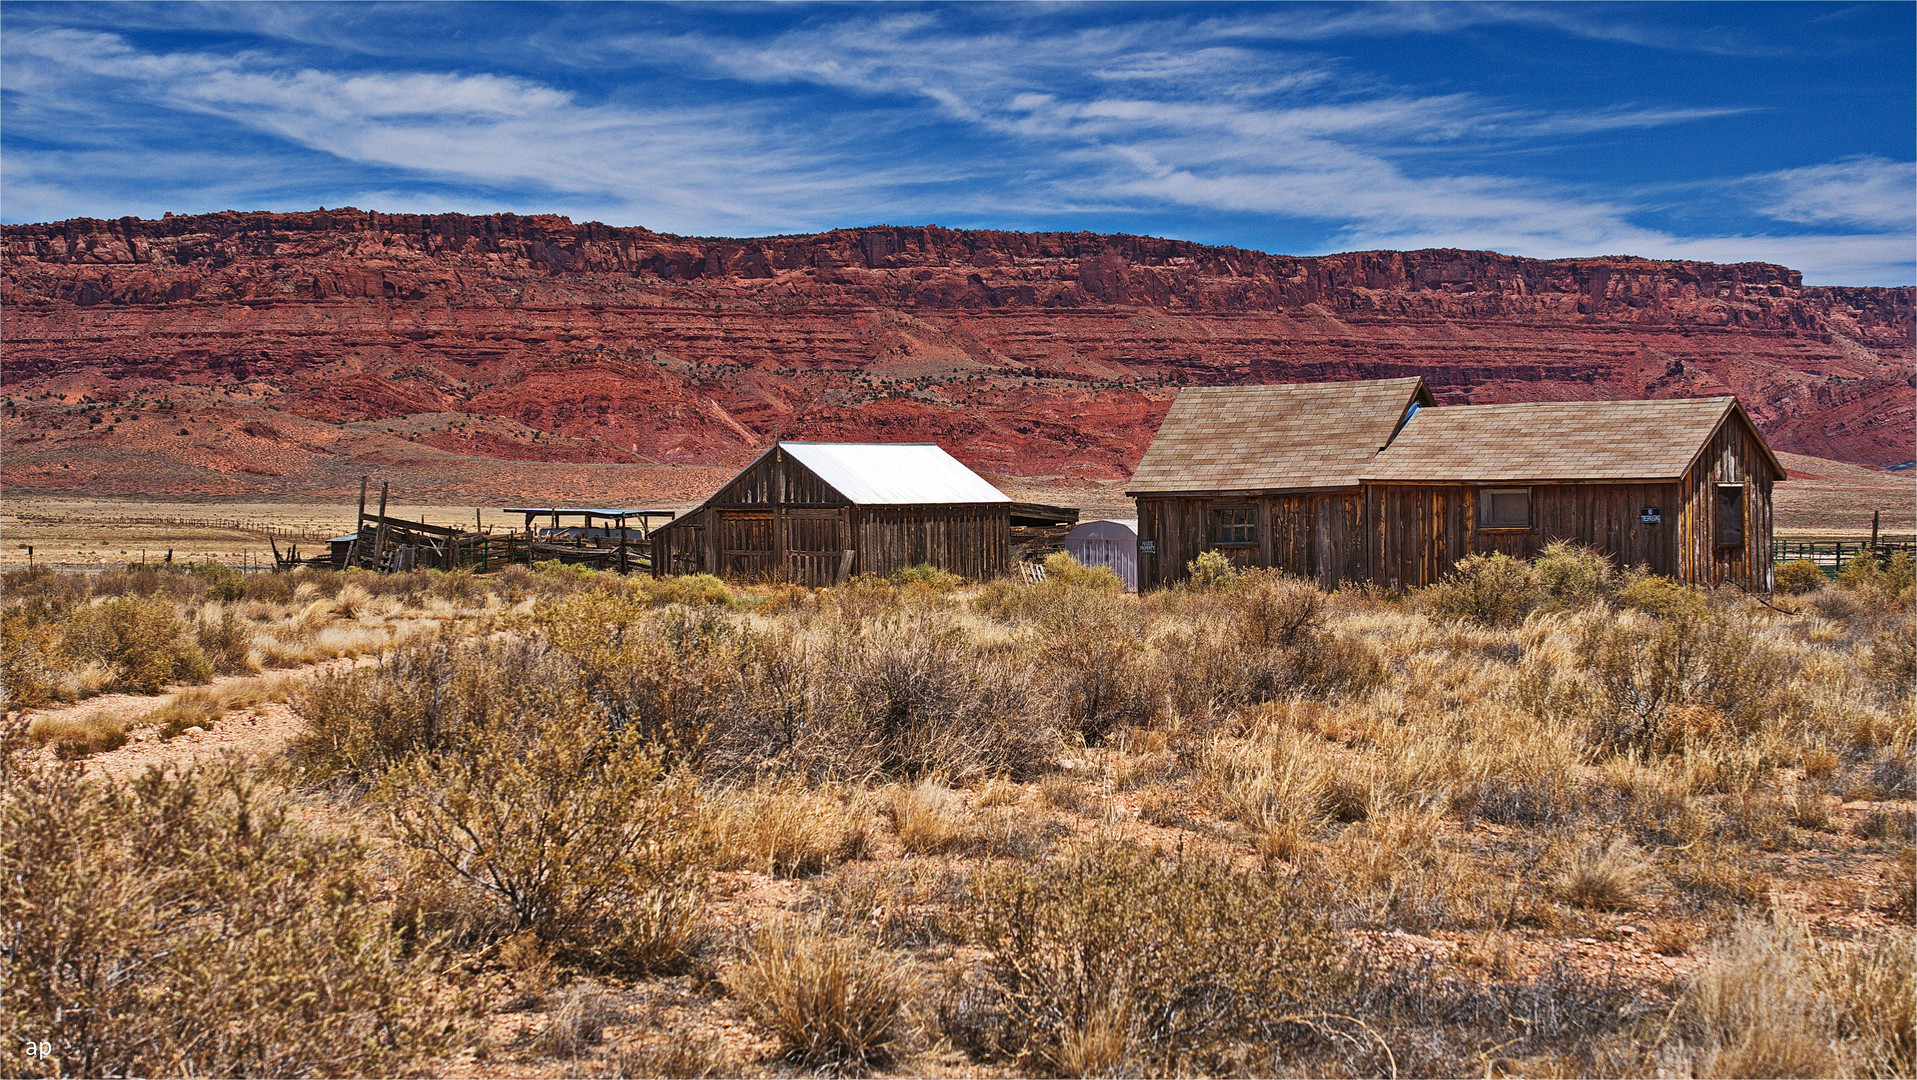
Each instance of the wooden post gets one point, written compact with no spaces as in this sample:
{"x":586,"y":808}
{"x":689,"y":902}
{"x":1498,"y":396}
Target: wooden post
{"x":379,"y":534}
{"x":359,"y":525}
{"x":622,"y":546}
{"x":1875,"y":517}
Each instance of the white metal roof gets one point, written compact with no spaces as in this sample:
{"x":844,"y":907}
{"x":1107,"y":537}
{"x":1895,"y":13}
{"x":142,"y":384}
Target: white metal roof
{"x":894,"y":474}
{"x":1106,"y":529}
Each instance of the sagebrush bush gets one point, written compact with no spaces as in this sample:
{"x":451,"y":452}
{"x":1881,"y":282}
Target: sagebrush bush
{"x":928,"y":577}
{"x":1111,"y":958}
{"x":142,"y":639}
{"x":564,"y":823}
{"x":1572,"y":575}
{"x":363,"y":721}
{"x":1490,"y":590}
{"x":227,"y":642}
{"x":31,"y":660}
{"x":184,"y":924}
{"x":1799,"y":576}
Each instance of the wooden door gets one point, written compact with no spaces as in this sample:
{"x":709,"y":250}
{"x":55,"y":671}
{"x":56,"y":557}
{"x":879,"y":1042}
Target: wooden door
{"x":815,"y":546}
{"x":745,"y":545}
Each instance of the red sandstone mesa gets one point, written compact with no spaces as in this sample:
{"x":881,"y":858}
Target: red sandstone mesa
{"x":298,"y":349}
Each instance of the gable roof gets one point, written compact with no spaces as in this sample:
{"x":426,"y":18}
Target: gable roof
{"x":893,"y":474}
{"x":1557,"y":440}
{"x":1283,"y":437}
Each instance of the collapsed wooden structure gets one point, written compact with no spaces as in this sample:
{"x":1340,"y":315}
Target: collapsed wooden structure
{"x":819,"y":513}
{"x":605,"y":539}
{"x":1369,"y":481}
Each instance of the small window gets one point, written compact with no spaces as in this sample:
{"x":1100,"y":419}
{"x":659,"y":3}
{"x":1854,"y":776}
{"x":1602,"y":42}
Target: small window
{"x":1730,"y":515}
{"x":1233,"y":526}
{"x":1505,"y":508}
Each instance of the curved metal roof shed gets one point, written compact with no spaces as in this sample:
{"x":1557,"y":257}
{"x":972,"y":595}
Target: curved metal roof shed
{"x":1109,"y":542}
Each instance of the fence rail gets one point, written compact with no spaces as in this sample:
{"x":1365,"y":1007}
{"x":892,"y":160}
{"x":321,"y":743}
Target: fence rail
{"x":1833,"y":555}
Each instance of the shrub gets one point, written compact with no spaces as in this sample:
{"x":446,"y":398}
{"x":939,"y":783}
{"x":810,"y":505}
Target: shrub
{"x":142,"y":639}
{"x":905,"y":695}
{"x":1573,"y":576}
{"x":1110,"y":958}
{"x":1490,"y":590}
{"x":692,"y":590}
{"x":928,"y":577}
{"x":30,"y":660}
{"x":1064,"y":571}
{"x":1662,"y":597}
{"x":160,"y":928}
{"x":830,"y":1001}
{"x":1211,"y":570}
{"x":1895,"y":576}
{"x":565,"y":824}
{"x":1799,"y":576}
{"x":363,"y":721}
{"x":227,"y":643}
{"x":1094,"y":651}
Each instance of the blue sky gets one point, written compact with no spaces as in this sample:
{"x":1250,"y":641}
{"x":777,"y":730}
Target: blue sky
{"x":1729,"y":132}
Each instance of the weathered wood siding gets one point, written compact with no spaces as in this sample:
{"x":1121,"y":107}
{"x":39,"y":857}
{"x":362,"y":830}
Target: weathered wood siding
{"x":972,"y":540}
{"x":1315,"y":535}
{"x":1415,"y":533}
{"x":1733,"y":456}
{"x":778,"y":521}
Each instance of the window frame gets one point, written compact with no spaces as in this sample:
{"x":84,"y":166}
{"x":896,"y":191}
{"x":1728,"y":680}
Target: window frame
{"x":1484,"y":508}
{"x":1743,"y":514}
{"x":1218,"y":526}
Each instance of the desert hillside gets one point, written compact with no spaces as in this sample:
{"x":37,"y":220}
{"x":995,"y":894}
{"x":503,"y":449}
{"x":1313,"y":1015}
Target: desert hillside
{"x":286,"y":354}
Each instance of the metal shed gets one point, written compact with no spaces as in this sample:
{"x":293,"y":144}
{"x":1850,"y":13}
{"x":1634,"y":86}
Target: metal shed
{"x":1109,"y":542}
{"x":818,"y":513}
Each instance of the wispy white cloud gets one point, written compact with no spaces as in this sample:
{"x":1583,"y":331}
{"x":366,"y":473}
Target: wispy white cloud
{"x":1867,"y":191}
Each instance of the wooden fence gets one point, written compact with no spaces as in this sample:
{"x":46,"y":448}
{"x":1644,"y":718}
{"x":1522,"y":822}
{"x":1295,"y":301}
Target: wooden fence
{"x":1833,"y":555}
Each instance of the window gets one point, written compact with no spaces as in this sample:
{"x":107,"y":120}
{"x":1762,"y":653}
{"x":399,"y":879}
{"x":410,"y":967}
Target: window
{"x":1505,"y":508}
{"x":1233,"y":526}
{"x":1730,"y":515}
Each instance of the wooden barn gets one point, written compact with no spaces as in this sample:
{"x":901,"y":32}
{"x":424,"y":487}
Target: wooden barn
{"x":1682,"y":487}
{"x":818,"y":513}
{"x":1367,"y":481}
{"x":1266,"y":475}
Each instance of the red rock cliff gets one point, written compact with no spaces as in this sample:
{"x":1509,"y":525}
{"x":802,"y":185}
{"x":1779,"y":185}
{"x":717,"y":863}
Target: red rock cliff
{"x":357,"y":337}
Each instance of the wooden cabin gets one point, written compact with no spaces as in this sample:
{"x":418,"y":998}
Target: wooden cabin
{"x":1682,"y":487}
{"x":1368,"y":481}
{"x":818,"y":513}
{"x":1266,"y":475}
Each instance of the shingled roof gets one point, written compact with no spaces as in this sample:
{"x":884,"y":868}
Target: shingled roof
{"x":1285,"y":437}
{"x":1558,"y":440}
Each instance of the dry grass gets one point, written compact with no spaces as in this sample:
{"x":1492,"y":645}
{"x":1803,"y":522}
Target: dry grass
{"x":203,"y":706}
{"x":829,"y":1000}
{"x":78,"y":737}
{"x":1607,"y":876}
{"x":932,"y":819}
{"x":788,"y":830}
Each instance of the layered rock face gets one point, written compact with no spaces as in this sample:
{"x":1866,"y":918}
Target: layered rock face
{"x":295,"y":350}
